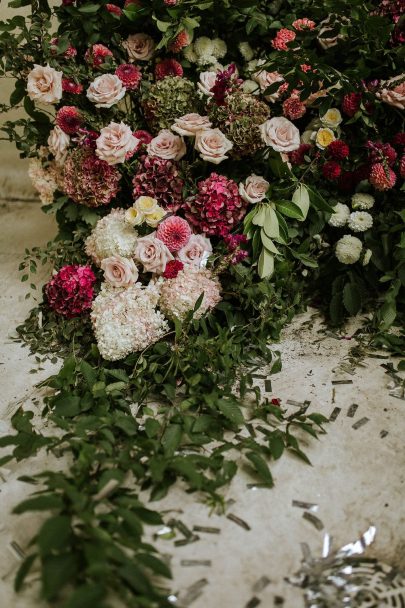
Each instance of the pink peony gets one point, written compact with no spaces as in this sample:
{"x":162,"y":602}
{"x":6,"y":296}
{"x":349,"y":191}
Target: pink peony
{"x":70,"y":292}
{"x":174,"y":232}
{"x":283,"y":37}
{"x":382,"y":178}
{"x":130,"y":75}
{"x":168,"y":67}
{"x":96,"y":55}
{"x":69,"y":119}
{"x":217,"y":207}
{"x":159,"y":179}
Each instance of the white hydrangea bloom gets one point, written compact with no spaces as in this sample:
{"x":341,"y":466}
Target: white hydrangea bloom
{"x":112,"y":235}
{"x":219,"y":48}
{"x":348,"y":249}
{"x":362,"y":201}
{"x":339,"y":218}
{"x":360,"y":221}
{"x":246,"y":51}
{"x":127,"y":321}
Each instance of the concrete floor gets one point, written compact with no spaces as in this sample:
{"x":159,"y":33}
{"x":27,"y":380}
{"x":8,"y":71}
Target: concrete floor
{"x":357,"y":477}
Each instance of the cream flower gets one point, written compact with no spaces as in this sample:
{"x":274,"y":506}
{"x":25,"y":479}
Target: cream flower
{"x":207,"y":81}
{"x":190,"y":124}
{"x":360,"y":221}
{"x":246,"y":51}
{"x":265,"y":79}
{"x":115,"y":143}
{"x":152,"y":254}
{"x":393,"y":94}
{"x":106,"y":90}
{"x":204,"y":46}
{"x":212,"y":145}
{"x":58,"y":143}
{"x":119,"y":271}
{"x":367,"y":257}
{"x":348,"y":249}
{"x":280,"y":134}
{"x":362,"y":201}
{"x":146,"y":204}
{"x":332,"y":118}
{"x":139,"y":47}
{"x":196,"y":251}
{"x":254,"y":189}
{"x":324,"y":137}
{"x":340,"y":215}
{"x":44,"y":84}
{"x":168,"y":146}
{"x":133,"y":217}
{"x":154,"y":218}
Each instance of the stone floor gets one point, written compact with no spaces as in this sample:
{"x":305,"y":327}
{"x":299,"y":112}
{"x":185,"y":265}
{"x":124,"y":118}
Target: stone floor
{"x":357,"y":477}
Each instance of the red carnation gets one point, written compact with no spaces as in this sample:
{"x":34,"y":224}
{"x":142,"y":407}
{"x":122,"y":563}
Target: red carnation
{"x":297,"y":156}
{"x":351,"y":103}
{"x":144,"y":137}
{"x":70,"y":292}
{"x":338,"y":149}
{"x":174,"y":232}
{"x":402,"y":167}
{"x":69,"y":119}
{"x":381,"y":152}
{"x":70,"y":86}
{"x":168,"y":67}
{"x":331,"y":170}
{"x":130,"y":75}
{"x":382,"y":178}
{"x":114,"y":9}
{"x":172,"y":269}
{"x":399,"y":140}
{"x":96,"y":54}
{"x":182,"y":40}
{"x":347,"y":182}
{"x":293,"y":108}
{"x":170,"y":2}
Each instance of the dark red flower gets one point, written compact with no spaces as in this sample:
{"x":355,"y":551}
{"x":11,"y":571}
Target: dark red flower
{"x":338,"y":149}
{"x":114,"y":9}
{"x":159,"y":179}
{"x":331,"y":170}
{"x":130,"y":75}
{"x":69,"y":119}
{"x":347,"y":182}
{"x":402,"y":167}
{"x":172,"y":269}
{"x":381,"y":177}
{"x":182,"y":40}
{"x":96,"y":55}
{"x":68,"y":54}
{"x":70,"y":292}
{"x":297,"y":156}
{"x":70,"y":86}
{"x":399,"y":140}
{"x":380,"y":152}
{"x":144,"y":137}
{"x":168,"y":67}
{"x":351,"y":103}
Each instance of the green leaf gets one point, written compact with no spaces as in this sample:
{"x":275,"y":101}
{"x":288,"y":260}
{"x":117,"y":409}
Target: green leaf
{"x":44,"y":502}
{"x":271,"y":224}
{"x":266,"y":264}
{"x":276,"y":444}
{"x":89,"y":8}
{"x":154,"y":564}
{"x":89,"y":373}
{"x":290,"y":209}
{"x":260,"y":216}
{"x":261,"y":467}
{"x":57,"y":571}
{"x":268,"y":243}
{"x":67,"y":405}
{"x":24,"y":570}
{"x":318,"y":201}
{"x":54,"y":534}
{"x":152,"y":427}
{"x":352,"y":298}
{"x":87,"y":596}
{"x":231,"y":411}
{"x":301,"y":199}
{"x":171,"y":439}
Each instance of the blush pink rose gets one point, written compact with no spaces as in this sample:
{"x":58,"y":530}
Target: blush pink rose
{"x":116,"y":143}
{"x":265,"y":79}
{"x":152,"y":254}
{"x":393,"y":94}
{"x":119,"y":271}
{"x":58,"y":143}
{"x":139,"y":47}
{"x":254,"y":189}
{"x":44,"y":84}
{"x":190,"y":124}
{"x":212,"y":145}
{"x":106,"y":90}
{"x":207,"y":81}
{"x":280,"y":134}
{"x":166,"y":145}
{"x":196,"y":251}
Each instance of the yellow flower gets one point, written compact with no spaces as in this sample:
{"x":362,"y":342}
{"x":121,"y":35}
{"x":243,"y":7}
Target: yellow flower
{"x":146,"y":204}
{"x":324,"y":137}
{"x":153,"y":219}
{"x":332,"y":118}
{"x":133,"y":217}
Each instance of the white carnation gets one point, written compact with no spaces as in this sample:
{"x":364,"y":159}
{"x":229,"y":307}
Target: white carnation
{"x":127,"y":321}
{"x":246,"y":51}
{"x":362,"y":201}
{"x":219,"y":48}
{"x":348,"y":249}
{"x":208,"y":61}
{"x":112,"y":235}
{"x":339,"y":218}
{"x":204,"y":46}
{"x":360,"y":221}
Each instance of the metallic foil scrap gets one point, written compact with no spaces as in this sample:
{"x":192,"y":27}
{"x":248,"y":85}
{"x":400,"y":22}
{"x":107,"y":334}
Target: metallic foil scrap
{"x":360,"y":423}
{"x":258,"y":486}
{"x":314,"y":520}
{"x":278,"y":600}
{"x":186,"y":541}
{"x":261,"y":584}
{"x":237,"y":520}
{"x":352,"y":410}
{"x":253,"y":602}
{"x":308,"y":506}
{"x":192,"y":593}
{"x":267,"y":386}
{"x":18,"y":552}
{"x":335,"y":414}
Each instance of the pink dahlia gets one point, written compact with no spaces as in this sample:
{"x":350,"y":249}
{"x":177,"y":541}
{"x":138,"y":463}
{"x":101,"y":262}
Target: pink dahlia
{"x":114,"y":9}
{"x":283,"y":37}
{"x":96,"y":55}
{"x":69,"y":119}
{"x":70,"y":292}
{"x":351,"y":103}
{"x":172,"y":269}
{"x":303,"y":24}
{"x":382,"y":178}
{"x":159,"y":179}
{"x":293,"y":108}
{"x":180,"y":42}
{"x":130,"y":75}
{"x":217,"y":208}
{"x":168,"y":67}
{"x":88,"y":180}
{"x":338,"y":149}
{"x":70,"y":86}
{"x":174,"y":232}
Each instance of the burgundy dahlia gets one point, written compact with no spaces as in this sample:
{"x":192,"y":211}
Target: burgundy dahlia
{"x":331,"y":170}
{"x":217,"y":207}
{"x":382,"y":178}
{"x":297,"y":157}
{"x":160,"y":179}
{"x":89,"y":180}
{"x":351,"y":103}
{"x":338,"y":149}
{"x":399,"y":140}
{"x":380,"y":152}
{"x":130,"y":75}
{"x":70,"y":292}
{"x":70,"y":86}
{"x":168,"y":67}
{"x":69,"y":119}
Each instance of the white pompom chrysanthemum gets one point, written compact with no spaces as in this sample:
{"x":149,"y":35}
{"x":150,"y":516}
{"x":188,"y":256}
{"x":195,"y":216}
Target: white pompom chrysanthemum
{"x":127,"y":321}
{"x":203,"y":46}
{"x":362,"y":201}
{"x":112,"y":235}
{"x":367,"y":257}
{"x":190,"y":54}
{"x":246,"y":51}
{"x":360,"y":221}
{"x":339,"y":218}
{"x":219,"y":48}
{"x":348,"y":249}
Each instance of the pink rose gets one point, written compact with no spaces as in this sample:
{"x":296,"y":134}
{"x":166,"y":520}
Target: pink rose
{"x":139,"y":47}
{"x":106,"y":90}
{"x":166,"y":145}
{"x":190,"y":124}
{"x":44,"y":84}
{"x":280,"y":134}
{"x":119,"y":271}
{"x":254,"y":189}
{"x":327,"y":37}
{"x":207,"y":81}
{"x":196,"y":251}
{"x":265,"y":79}
{"x":393,"y":94}
{"x":58,"y":143}
{"x":152,"y":253}
{"x":115,"y":143}
{"x":212,"y":145}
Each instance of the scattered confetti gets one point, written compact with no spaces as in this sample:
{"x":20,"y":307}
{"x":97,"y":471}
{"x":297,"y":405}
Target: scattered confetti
{"x":193,"y":592}
{"x":195,"y":562}
{"x":342,"y":381}
{"x":295,"y":403}
{"x":278,"y":600}
{"x":261,"y":584}
{"x":383,"y":434}
{"x":17,"y":550}
{"x":166,"y":533}
{"x":360,"y":423}
{"x":206,"y":529}
{"x":267,"y":386}
{"x":352,"y":410}
{"x":186,"y":541}
{"x":308,"y":506}
{"x":335,"y":414}
{"x":258,"y":486}
{"x":252,"y":603}
{"x":237,"y":520}
{"x":314,"y":520}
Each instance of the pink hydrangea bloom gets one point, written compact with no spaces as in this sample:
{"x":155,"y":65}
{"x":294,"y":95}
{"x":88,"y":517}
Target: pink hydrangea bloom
{"x":89,"y":180}
{"x":70,"y":292}
{"x":179,"y":295}
{"x":159,"y":179}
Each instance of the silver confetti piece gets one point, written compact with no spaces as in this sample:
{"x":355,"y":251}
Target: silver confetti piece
{"x":352,"y":410}
{"x":192,"y":593}
{"x":253,"y":602}
{"x":335,"y":414}
{"x":308,"y":506}
{"x":314,"y":520}
{"x":360,"y":423}
{"x":237,"y":520}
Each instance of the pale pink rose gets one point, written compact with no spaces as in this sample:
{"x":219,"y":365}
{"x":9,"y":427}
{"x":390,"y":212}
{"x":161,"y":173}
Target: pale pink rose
{"x":116,"y":143}
{"x":207,"y":81}
{"x":139,"y":47}
{"x":166,"y":145}
{"x":265,"y":79}
{"x":280,"y":134}
{"x":119,"y":271}
{"x":197,"y":249}
{"x":106,"y":90}
{"x":58,"y":143}
{"x":44,"y":84}
{"x":190,"y":124}
{"x":393,"y":94}
{"x":254,"y":189}
{"x":152,"y":253}
{"x":212,"y":145}
{"x":326,"y":38}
